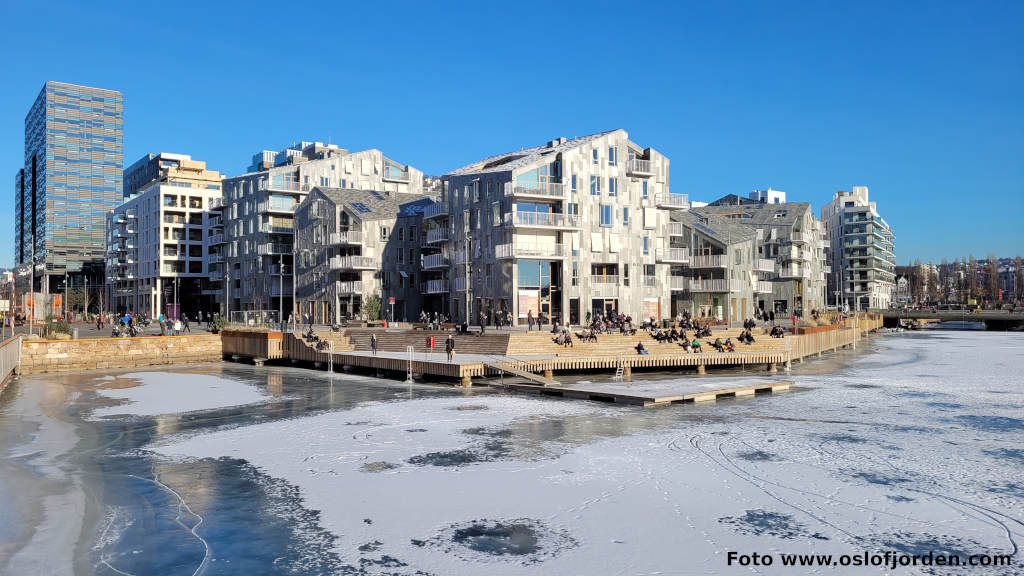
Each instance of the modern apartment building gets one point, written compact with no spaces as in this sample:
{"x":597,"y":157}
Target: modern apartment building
{"x":351,"y":244}
{"x":71,"y":178}
{"x":174,"y":169}
{"x":259,"y":207}
{"x":160,"y":258}
{"x":862,"y":255}
{"x":567,"y":229}
{"x":791,"y":259}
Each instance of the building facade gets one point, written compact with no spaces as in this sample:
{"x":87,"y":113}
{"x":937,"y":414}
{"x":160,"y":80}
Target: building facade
{"x":74,"y":151}
{"x":861,"y":257}
{"x":354,"y":244}
{"x":259,"y":208}
{"x":174,"y":169}
{"x":566,"y":230}
{"x":791,"y":253}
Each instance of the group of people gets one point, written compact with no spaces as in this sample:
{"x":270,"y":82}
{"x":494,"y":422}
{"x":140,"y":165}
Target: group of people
{"x":131,"y":324}
{"x":433,"y":321}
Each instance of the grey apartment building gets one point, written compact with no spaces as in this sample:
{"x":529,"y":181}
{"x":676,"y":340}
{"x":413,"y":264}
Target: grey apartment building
{"x":258,"y":212}
{"x":862,"y":257}
{"x":567,"y":229}
{"x":71,"y":178}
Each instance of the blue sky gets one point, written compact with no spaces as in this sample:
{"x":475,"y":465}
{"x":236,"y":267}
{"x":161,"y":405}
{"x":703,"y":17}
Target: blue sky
{"x":922,"y":102}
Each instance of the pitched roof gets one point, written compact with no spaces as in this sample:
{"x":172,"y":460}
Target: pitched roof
{"x":371,"y":204}
{"x":760,"y":214}
{"x":525,"y":157}
{"x":720,"y":228}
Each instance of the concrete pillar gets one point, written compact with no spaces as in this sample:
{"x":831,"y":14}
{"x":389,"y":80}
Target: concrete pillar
{"x":549,"y":374}
{"x":772,"y":368}
{"x":467,"y":381}
{"x":701,"y":369}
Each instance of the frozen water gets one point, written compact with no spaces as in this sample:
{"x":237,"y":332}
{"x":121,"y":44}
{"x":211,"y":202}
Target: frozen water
{"x":168,"y":393}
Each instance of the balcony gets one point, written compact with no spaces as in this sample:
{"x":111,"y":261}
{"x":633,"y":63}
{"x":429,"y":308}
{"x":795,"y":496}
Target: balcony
{"x":349,"y":238}
{"x":276,"y":290}
{"x":673,"y":255}
{"x":541,"y":220}
{"x":638,"y":167}
{"x":435,"y":210}
{"x":267,"y":207}
{"x":826,"y":243}
{"x":278,"y":270}
{"x":649,"y":281}
{"x":795,"y":271}
{"x":764,"y":265}
{"x":271,"y":248}
{"x":215,"y":222}
{"x":214,"y":258}
{"x":763,"y":287}
{"x":506,"y":251}
{"x":352,"y":287}
{"x":436,"y":286}
{"x":268,"y":228}
{"x":716,"y":285}
{"x":215,"y":276}
{"x":672,"y":201}
{"x":679,"y":283}
{"x":283,"y":185}
{"x":460,"y":284}
{"x":216,"y":203}
{"x":437,"y":235}
{"x":709,"y":261}
{"x":392,"y":174}
{"x":604,"y":285}
{"x":826,"y":269}
{"x":542,"y":190}
{"x":796,"y":254}
{"x":434,"y":261}
{"x":674,"y":229}
{"x":799,"y":237}
{"x":353,"y":263}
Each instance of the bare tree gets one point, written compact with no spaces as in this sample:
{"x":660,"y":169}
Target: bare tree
{"x":973,"y":287}
{"x":992,"y":280}
{"x":1018,"y":279}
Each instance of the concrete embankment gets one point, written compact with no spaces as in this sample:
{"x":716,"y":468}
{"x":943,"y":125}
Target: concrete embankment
{"x":109,"y":353}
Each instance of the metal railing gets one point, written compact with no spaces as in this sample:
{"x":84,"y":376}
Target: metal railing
{"x":437,"y":235}
{"x":269,"y":248}
{"x":672,"y":201}
{"x":287,"y":185}
{"x":435,"y":261}
{"x":268,"y":318}
{"x":267,"y":206}
{"x":523,"y":251}
{"x":268,"y":228}
{"x":677,"y":255}
{"x":216,"y":239}
{"x":436,"y":287}
{"x":459,"y":284}
{"x":709,"y":261}
{"x":546,"y":189}
{"x":353,"y":262}
{"x":435,"y":210}
{"x":551,"y":219}
{"x":347,"y":237}
{"x":215,"y":276}
{"x":765,"y":265}
{"x":216,"y":203}
{"x":277,"y":269}
{"x":678,"y":283}
{"x":649,"y":280}
{"x":10,"y":357}
{"x":638,"y":166}
{"x":764,"y":287}
{"x":604,"y":285}
{"x":798,"y":237}
{"x":349,"y":287}
{"x":716,"y":285}
{"x":674,"y":229}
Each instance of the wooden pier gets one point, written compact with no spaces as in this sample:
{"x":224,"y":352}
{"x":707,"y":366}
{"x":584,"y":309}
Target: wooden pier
{"x":615,"y":396}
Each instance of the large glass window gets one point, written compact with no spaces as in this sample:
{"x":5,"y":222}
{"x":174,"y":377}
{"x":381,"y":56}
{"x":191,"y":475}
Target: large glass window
{"x":606,"y":215}
{"x":613,"y":156}
{"x":595,"y":185}
{"x":613,"y":186}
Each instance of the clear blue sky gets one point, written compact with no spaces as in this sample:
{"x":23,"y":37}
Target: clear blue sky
{"x":923,"y":103}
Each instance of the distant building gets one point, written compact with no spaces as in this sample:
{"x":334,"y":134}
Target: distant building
{"x":160,"y":256}
{"x":768,"y":196}
{"x":167,"y":168}
{"x":71,"y":178}
{"x":259,"y":209}
{"x":861,"y":257}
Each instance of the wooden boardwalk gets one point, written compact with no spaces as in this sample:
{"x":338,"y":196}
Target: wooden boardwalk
{"x":584,"y":392}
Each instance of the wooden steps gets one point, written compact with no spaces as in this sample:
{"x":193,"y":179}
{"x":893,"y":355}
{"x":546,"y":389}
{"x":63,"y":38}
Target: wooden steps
{"x":491,"y":344}
{"x":510,"y":369}
{"x":617,"y":344}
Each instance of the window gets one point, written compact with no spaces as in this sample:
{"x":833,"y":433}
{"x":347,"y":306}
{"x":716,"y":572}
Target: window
{"x":573,"y":183}
{"x":383,"y":232}
{"x":613,"y":186}
{"x":613,"y":156}
{"x":595,"y":156}
{"x":496,"y":213}
{"x":625,"y":216}
{"x":625,"y":274}
{"x":606,"y":215}
{"x":575,"y":273}
{"x":595,"y":185}
{"x":644,"y":184}
{"x":476,"y":191}
{"x":412,"y":255}
{"x":490,"y":188}
{"x":573,"y":208}
{"x":385,"y":279}
{"x":647,"y":245}
{"x":401,"y":256}
{"x":401,"y":234}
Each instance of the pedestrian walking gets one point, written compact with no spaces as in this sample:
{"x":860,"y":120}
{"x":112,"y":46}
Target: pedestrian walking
{"x":373,"y":344}
{"x":449,"y":347}
{"x":163,"y":325}
{"x":483,"y":322}
{"x":529,"y":320}
{"x":771,"y":316}
{"x":184,"y":324}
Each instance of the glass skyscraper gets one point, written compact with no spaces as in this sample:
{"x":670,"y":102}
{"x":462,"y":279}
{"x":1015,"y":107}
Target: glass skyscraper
{"x":74,"y":153}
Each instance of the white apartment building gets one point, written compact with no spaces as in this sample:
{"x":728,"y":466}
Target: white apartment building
{"x":862,"y":258}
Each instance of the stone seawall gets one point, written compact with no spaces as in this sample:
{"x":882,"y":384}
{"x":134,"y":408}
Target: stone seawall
{"x":107,"y":353}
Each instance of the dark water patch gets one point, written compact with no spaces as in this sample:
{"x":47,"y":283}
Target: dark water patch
{"x":447,"y":459}
{"x":367,"y":521}
{"x":416,"y":430}
{"x":944,"y":405}
{"x":1014,"y":454}
{"x":992,"y":423}
{"x":880,"y":479}
{"x":493,"y":433}
{"x":843,"y":438}
{"x":1015,"y":489}
{"x":370,"y":546}
{"x":523,"y":541}
{"x":758,"y":456}
{"x":862,"y":386}
{"x":764,"y":523}
{"x":359,"y":423}
{"x":384,"y":561}
{"x":908,"y":428}
{"x":914,"y":544}
{"x":378,"y":466}
{"x":918,"y":394}
{"x":470,"y":407}
{"x":898,"y":498}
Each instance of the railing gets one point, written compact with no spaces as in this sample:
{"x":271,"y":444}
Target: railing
{"x":276,"y":270}
{"x":269,"y":248}
{"x":764,"y":287}
{"x":216,"y":239}
{"x":216,"y":203}
{"x":679,"y":283}
{"x":437,"y":235}
{"x":677,"y":255}
{"x":716,"y":285}
{"x":546,"y":189}
{"x":640,"y":167}
{"x":353,"y":263}
{"x":215,"y":222}
{"x":709,"y":261}
{"x":460,"y":284}
{"x":672,"y":201}
{"x":395,"y":175}
{"x":436,"y":286}
{"x":826,"y":269}
{"x":267,"y":318}
{"x":349,"y":287}
{"x":674,"y":229}
{"x":286,"y":185}
{"x":649,"y":280}
{"x":524,"y":251}
{"x":765,"y":265}
{"x":551,"y":219}
{"x":348,"y":237}
{"x":826,"y":243}
{"x":215,"y":276}
{"x":435,"y":261}
{"x":436,"y":210}
{"x":798,"y":238}
{"x":10,"y":357}
{"x":276,"y":290}
{"x":604,"y":285}
{"x":268,"y":228}
{"x":214,"y":257}
{"x":267,"y":206}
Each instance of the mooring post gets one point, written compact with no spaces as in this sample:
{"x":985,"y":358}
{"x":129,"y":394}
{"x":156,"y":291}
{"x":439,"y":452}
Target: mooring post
{"x":627,"y":373}
{"x":701,"y":369}
{"x":772,"y":368}
{"x":467,"y":381}
{"x":549,"y":374}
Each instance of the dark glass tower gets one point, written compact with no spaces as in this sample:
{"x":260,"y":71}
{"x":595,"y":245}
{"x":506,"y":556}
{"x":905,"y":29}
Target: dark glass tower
{"x":74,"y":153}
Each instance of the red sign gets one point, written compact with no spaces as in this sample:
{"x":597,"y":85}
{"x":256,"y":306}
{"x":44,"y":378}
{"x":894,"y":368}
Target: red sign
{"x":391,"y":300}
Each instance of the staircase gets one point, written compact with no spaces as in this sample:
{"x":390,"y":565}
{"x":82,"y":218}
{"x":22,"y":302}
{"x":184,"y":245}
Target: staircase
{"x":537,"y":379}
{"x":491,"y":344}
{"x":531,"y":343}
